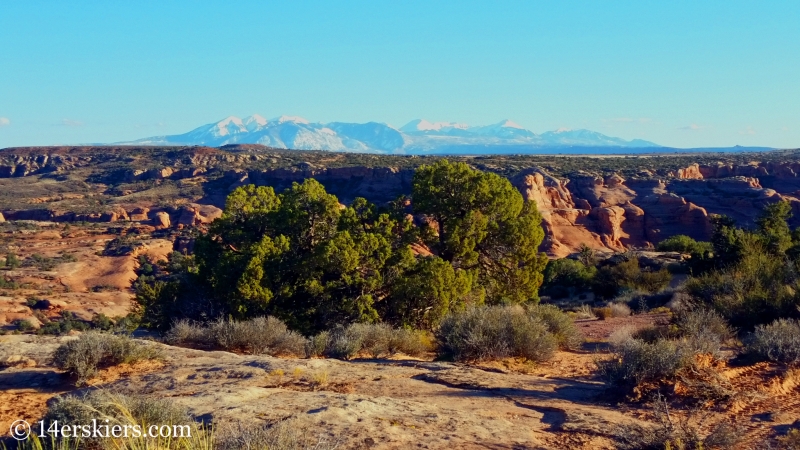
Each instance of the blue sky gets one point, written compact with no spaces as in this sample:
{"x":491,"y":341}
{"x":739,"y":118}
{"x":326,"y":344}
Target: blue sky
{"x":679,"y":73}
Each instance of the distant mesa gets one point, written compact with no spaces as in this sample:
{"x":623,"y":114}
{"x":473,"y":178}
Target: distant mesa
{"x":419,"y":136}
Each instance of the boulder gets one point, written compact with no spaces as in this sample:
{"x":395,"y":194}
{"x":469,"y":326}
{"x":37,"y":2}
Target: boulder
{"x":139,"y":214}
{"x":161,"y":220}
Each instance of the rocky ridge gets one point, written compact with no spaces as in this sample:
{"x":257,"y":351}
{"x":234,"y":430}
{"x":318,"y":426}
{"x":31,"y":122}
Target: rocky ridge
{"x":607,"y":212}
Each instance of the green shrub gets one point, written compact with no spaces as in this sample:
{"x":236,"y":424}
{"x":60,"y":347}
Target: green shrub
{"x":566,"y":277}
{"x":41,"y":262}
{"x":559,"y":324}
{"x":82,"y":357}
{"x":485,"y":333}
{"x":317,"y":344}
{"x":684,"y":244}
{"x":610,"y":280}
{"x":778,"y":341}
{"x":759,"y":289}
{"x":63,"y":325}
{"x":102,"y":322}
{"x":24,"y":325}
{"x":12,"y":262}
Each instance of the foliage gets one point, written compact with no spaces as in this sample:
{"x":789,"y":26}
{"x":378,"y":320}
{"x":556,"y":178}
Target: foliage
{"x":260,"y":335}
{"x":757,"y":290}
{"x":559,"y":324}
{"x":12,"y":262}
{"x":283,"y":435}
{"x":778,"y":341}
{"x":675,"y":433}
{"x":566,"y":277}
{"x":131,"y":410}
{"x":268,"y":335}
{"x":684,"y":244}
{"x":495,"y":332}
{"x":422,"y":297}
{"x":483,"y":226}
{"x":66,"y":323}
{"x":82,"y":357}
{"x":635,"y":361}
{"x":774,"y":229}
{"x":612,"y":309}
{"x":375,"y":339}
{"x":302,"y":257}
{"x":611,"y":279}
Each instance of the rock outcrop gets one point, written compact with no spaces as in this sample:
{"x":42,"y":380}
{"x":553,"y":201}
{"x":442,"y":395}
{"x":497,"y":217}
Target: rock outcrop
{"x":161,"y":220}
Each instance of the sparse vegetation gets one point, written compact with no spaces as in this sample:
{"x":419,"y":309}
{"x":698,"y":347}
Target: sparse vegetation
{"x":261,"y":335}
{"x":495,"y":332}
{"x":91,"y":351}
{"x":778,"y":341}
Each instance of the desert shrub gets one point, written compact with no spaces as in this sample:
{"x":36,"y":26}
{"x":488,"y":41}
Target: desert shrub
{"x":495,"y":332}
{"x":41,"y":262}
{"x":283,"y":435}
{"x":12,"y":262}
{"x":63,"y":325}
{"x":261,"y":335}
{"x":759,"y":289}
{"x":684,"y":244}
{"x":704,"y":329}
{"x":791,"y":440}
{"x":6,"y":283}
{"x":675,"y":433}
{"x":24,"y":325}
{"x":654,"y":333}
{"x":410,"y":342}
{"x":375,"y":338}
{"x":635,"y":361}
{"x":778,"y":341}
{"x":123,"y":409}
{"x":82,"y":357}
{"x":187,"y":333}
{"x":612,"y":310}
{"x":102,"y":322}
{"x":123,"y":245}
{"x":345,"y":342}
{"x":316,"y":345}
{"x":559,"y":324}
{"x":566,"y":277}
{"x":610,"y":280}
{"x":585,"y":312}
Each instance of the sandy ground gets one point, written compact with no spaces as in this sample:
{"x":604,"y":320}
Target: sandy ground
{"x":403,"y":402}
{"x":90,"y":285}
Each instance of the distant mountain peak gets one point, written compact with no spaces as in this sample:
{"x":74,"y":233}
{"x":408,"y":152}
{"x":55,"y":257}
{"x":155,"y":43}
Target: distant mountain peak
{"x":419,"y":136}
{"x":417,"y":125}
{"x":294,"y":119}
{"x":506,"y":123}
{"x":254,"y":122}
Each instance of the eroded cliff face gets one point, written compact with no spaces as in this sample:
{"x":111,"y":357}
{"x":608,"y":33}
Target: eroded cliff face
{"x":604,"y":214}
{"x":609,"y":213}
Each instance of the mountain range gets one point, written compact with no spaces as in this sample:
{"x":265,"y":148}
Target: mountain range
{"x":416,"y":137}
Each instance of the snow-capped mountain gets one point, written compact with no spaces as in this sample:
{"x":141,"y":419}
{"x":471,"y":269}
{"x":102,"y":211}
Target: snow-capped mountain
{"x":416,"y":137}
